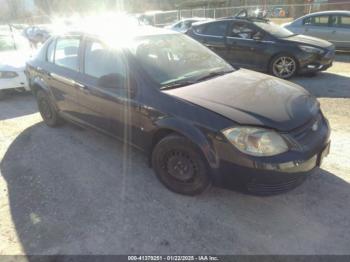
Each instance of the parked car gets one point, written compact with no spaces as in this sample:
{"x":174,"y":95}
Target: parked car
{"x":198,"y":119}
{"x":14,"y":50}
{"x":333,"y":26}
{"x":263,"y":46}
{"x":37,"y":34}
{"x":183,"y":25}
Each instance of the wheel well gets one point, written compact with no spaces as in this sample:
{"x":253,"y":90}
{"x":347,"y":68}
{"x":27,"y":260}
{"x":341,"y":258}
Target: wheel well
{"x":159,"y":135}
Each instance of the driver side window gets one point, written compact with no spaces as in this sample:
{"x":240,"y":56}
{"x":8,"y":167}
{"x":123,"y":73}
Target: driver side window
{"x":105,"y":65}
{"x":243,"y":30}
{"x":101,"y":61}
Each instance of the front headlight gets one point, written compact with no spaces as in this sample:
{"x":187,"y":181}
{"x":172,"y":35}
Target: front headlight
{"x":8,"y":74}
{"x":256,"y":141}
{"x":310,"y":49}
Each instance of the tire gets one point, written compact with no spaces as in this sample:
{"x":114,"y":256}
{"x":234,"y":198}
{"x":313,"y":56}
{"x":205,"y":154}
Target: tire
{"x":180,"y":166}
{"x":47,"y":110}
{"x":283,"y":66}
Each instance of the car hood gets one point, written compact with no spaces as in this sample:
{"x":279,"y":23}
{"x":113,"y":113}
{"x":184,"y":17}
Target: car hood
{"x":251,"y":98}
{"x":286,"y":24}
{"x":309,"y":40}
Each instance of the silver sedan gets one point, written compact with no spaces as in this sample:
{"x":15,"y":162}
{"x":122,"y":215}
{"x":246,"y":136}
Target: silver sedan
{"x":333,"y":26}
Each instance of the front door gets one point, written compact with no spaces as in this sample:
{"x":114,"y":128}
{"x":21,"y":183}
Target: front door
{"x":246,"y":46}
{"x":104,"y":93}
{"x":213,"y":35}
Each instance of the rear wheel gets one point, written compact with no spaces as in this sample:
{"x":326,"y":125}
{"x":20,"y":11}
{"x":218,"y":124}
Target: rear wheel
{"x":283,"y":66}
{"x":180,"y":166}
{"x":47,"y":110}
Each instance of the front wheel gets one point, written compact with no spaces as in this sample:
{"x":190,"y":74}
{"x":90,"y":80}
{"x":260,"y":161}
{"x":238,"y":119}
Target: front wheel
{"x":283,"y":66}
{"x":180,"y":166}
{"x":47,"y":110}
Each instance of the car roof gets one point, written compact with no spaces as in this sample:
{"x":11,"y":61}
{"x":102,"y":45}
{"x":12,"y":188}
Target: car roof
{"x":128,"y":32}
{"x":237,"y":19}
{"x":338,"y":12}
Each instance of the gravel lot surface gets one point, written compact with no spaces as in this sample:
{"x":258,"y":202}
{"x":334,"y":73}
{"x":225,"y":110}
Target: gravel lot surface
{"x":74,"y":191}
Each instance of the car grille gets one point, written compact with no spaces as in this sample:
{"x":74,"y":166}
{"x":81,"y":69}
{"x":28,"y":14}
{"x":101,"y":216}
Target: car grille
{"x":272,"y":187}
{"x":301,"y":132}
{"x":310,"y":134}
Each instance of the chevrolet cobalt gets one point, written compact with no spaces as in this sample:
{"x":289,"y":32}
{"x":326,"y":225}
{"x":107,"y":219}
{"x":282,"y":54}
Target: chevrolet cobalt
{"x":199,"y":120}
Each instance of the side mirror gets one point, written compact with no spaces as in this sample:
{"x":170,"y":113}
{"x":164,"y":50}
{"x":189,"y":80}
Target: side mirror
{"x":118,"y":82}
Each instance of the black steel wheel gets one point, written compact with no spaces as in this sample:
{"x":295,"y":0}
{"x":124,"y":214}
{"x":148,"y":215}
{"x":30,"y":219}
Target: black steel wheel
{"x":47,"y":110}
{"x":180,"y":166}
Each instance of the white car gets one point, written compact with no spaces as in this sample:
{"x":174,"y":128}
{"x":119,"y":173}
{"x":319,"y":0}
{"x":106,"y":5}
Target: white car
{"x":13,"y":54}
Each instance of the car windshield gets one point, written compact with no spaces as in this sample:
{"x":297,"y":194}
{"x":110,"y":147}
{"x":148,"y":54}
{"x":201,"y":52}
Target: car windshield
{"x":274,"y":29}
{"x":175,"y":58}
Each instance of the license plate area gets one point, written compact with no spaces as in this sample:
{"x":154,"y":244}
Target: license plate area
{"x":323,"y":154}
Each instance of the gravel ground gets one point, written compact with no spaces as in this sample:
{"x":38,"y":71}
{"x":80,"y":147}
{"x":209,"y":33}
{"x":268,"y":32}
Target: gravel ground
{"x":74,"y":191}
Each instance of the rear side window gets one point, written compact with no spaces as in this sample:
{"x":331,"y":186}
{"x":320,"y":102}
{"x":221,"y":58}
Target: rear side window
{"x":341,"y":21}
{"x":317,"y":20}
{"x":101,"y":61}
{"x":216,"y":29}
{"x":66,"y":54}
{"x":51,"y":52}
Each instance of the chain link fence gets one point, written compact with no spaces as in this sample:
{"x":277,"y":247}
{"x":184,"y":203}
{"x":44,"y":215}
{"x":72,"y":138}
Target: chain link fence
{"x":278,"y":12}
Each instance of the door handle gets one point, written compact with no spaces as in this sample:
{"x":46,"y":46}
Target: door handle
{"x":63,"y":79}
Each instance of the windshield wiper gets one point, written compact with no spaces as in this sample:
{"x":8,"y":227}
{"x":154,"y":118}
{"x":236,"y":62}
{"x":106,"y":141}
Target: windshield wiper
{"x":213,"y":74}
{"x":176,"y":84}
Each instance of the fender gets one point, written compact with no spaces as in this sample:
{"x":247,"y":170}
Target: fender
{"x":38,"y":81}
{"x":194,"y":134}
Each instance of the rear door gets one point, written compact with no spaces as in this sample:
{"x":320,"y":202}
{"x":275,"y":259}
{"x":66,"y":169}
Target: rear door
{"x":317,"y":26}
{"x":213,"y":35}
{"x":340,"y":34}
{"x":63,"y":68}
